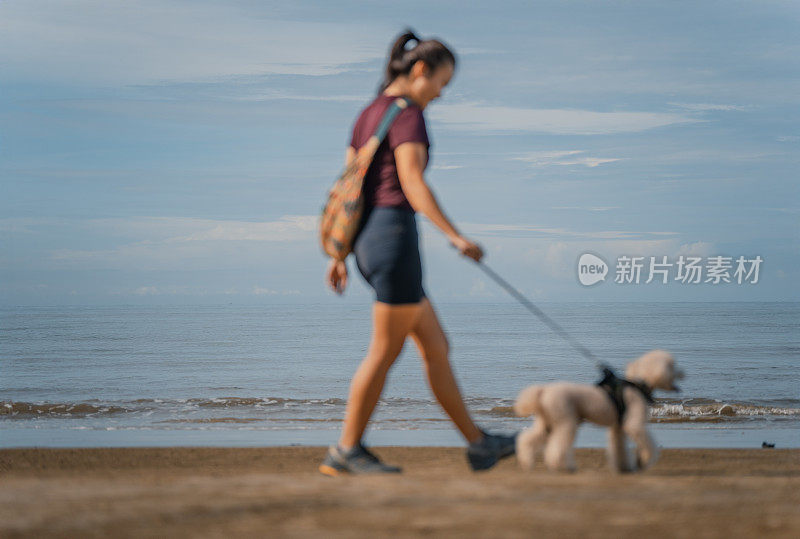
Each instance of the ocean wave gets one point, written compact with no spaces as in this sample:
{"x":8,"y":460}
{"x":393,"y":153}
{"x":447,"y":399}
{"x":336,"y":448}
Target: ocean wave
{"x":96,"y":407}
{"x":701,"y":410}
{"x":251,"y":409}
{"x":259,"y":402}
{"x":50,"y":409}
{"x":717,"y":412}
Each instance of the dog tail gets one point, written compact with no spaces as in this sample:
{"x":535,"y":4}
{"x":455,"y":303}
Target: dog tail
{"x":528,"y":401}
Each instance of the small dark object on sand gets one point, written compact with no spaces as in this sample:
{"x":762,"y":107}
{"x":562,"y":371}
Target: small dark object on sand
{"x":767,"y":445}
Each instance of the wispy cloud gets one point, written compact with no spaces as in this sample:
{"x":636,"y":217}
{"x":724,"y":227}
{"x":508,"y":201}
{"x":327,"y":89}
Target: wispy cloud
{"x":717,"y":155}
{"x":188,"y":229}
{"x":275,"y":96}
{"x":704,"y":107}
{"x":262,"y":291}
{"x":558,"y":259}
{"x":590,"y":208}
{"x":568,"y":157}
{"x":147,"y":291}
{"x":288,"y":228}
{"x":149,"y":41}
{"x":481,"y":117}
{"x":165,"y":290}
{"x":698,"y":248}
{"x":498,"y":229}
{"x":167,"y":242}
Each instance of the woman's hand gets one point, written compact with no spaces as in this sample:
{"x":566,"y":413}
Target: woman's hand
{"x":336,"y":276}
{"x":467,"y":248}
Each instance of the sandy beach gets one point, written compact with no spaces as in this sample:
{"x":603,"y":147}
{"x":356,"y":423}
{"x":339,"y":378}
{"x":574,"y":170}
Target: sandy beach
{"x":215,"y":492}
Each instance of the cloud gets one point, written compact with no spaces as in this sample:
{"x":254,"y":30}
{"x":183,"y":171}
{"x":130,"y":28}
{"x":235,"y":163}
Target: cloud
{"x":479,"y":117}
{"x":557,"y":259}
{"x":146,"y":291}
{"x":524,"y":230}
{"x":704,"y":107}
{"x":698,"y":248}
{"x":478,"y":289}
{"x":568,"y":157}
{"x":288,"y":228}
{"x":715,"y":155}
{"x":189,"y":229}
{"x":95,"y":41}
{"x":19,"y":225}
{"x":657,"y":248}
{"x":261,"y":291}
{"x":552,"y":252}
{"x":169,"y":242}
{"x":170,"y":290}
{"x":593,"y":208}
{"x":296,"y":97}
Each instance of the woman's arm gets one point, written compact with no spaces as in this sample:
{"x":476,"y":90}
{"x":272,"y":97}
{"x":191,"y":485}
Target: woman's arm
{"x":410,"y":159}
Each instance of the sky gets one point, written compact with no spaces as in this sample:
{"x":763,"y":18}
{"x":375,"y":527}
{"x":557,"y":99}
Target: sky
{"x":171,"y":152}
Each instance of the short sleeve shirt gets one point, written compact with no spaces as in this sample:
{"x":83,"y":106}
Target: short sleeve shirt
{"x":381,"y":183}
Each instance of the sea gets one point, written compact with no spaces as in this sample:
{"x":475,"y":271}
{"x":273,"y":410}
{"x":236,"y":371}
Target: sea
{"x":278,"y":374}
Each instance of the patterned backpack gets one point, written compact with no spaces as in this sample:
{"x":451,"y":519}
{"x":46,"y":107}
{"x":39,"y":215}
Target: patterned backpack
{"x":341,"y":215}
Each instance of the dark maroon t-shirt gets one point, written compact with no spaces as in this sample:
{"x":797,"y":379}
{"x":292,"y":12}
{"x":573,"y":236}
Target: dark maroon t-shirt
{"x":381,"y":184}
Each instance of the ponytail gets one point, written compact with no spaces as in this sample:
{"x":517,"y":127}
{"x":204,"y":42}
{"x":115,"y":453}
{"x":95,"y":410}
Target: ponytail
{"x":431,"y":51}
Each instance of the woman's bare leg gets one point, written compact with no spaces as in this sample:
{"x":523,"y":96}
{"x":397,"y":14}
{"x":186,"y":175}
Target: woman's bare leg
{"x":434,"y":349}
{"x":390,"y":327}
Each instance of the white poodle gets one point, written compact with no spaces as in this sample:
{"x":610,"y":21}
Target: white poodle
{"x":620,"y":405}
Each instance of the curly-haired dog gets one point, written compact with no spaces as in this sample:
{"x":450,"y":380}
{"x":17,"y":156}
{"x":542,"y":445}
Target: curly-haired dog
{"x":620,"y":405}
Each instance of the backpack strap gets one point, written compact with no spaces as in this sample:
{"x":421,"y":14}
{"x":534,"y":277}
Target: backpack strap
{"x":391,"y":113}
{"x":367,"y":151}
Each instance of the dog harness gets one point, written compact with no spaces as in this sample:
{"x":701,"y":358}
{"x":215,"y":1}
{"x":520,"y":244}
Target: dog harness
{"x":613,"y":387}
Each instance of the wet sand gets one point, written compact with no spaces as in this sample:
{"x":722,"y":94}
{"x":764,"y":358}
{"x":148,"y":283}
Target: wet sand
{"x":277,"y":492}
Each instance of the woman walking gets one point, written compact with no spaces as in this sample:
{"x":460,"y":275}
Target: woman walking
{"x":387,"y":255}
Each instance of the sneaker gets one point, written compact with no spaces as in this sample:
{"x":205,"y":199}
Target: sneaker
{"x":493,"y":447}
{"x":358,"y":460}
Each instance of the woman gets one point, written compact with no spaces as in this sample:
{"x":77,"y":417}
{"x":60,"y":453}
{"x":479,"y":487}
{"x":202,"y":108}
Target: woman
{"x":387,"y":256}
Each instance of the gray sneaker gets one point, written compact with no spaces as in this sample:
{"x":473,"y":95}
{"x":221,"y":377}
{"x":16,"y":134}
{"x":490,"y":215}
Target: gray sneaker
{"x":493,"y":447}
{"x":358,"y":460}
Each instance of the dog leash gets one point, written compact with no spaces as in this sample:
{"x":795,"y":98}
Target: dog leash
{"x":585,"y":352}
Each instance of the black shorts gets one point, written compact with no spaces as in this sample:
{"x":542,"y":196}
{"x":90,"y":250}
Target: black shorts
{"x":386,"y":249}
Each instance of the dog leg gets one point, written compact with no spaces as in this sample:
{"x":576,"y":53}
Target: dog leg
{"x":529,"y":442}
{"x":616,"y":451}
{"x":635,"y":427}
{"x":558,"y":454}
{"x":646,"y":450}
